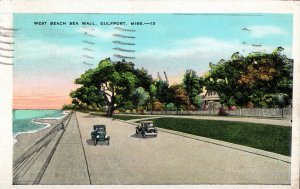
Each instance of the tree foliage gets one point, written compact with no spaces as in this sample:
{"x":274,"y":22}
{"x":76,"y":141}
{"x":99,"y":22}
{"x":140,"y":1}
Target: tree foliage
{"x":87,"y":98}
{"x":264,"y":80}
{"x":152,"y":96}
{"x":179,"y":97}
{"x":141,"y":98}
{"x":193,"y":85}
{"x":162,"y":90}
{"x":257,"y":80}
{"x":115,"y":81}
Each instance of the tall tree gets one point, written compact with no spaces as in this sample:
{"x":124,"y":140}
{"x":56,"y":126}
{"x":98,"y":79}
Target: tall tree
{"x":193,"y":86}
{"x":152,"y":96}
{"x":162,"y":91}
{"x":115,"y":81}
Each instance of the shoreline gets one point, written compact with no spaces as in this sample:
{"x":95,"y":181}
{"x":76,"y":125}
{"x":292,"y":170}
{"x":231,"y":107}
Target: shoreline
{"x":23,"y":140}
{"x":41,"y":121}
{"x":64,"y":113}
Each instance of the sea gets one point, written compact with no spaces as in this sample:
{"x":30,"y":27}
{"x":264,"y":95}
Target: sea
{"x":23,"y":120}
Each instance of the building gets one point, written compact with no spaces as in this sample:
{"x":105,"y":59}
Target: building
{"x":210,"y":100}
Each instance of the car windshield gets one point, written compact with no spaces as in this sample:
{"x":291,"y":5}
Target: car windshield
{"x":149,"y":124}
{"x":99,"y":128}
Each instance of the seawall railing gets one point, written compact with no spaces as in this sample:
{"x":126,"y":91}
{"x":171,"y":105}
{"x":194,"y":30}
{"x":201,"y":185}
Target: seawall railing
{"x":254,"y":112}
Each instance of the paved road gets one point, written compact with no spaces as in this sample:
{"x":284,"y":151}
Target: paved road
{"x":169,"y":159}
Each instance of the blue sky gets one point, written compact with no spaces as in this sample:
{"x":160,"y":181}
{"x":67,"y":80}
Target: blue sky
{"x":174,"y":44}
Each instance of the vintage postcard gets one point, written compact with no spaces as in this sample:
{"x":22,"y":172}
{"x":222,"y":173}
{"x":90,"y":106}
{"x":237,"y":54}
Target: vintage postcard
{"x":176,"y":98}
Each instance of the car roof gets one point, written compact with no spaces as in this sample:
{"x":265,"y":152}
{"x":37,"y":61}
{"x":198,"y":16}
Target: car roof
{"x":99,"y":126}
{"x":146,"y":121}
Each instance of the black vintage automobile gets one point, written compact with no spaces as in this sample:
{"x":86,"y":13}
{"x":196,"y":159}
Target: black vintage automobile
{"x":99,"y":134}
{"x":146,"y":128}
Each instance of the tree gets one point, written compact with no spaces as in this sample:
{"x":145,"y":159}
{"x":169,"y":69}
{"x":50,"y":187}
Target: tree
{"x":87,"y":97}
{"x":262,"y":80}
{"x":141,"y":98}
{"x":157,"y":106}
{"x":179,"y":97}
{"x":67,"y":107}
{"x":115,"y":81}
{"x":152,"y":96}
{"x":162,"y":93}
{"x":171,"y":107}
{"x":162,"y":88}
{"x":198,"y":101}
{"x":193,"y":86}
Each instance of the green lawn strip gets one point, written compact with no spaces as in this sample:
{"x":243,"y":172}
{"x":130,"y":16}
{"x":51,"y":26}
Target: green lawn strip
{"x":266,"y":137}
{"x":98,"y":113}
{"x":122,"y":117}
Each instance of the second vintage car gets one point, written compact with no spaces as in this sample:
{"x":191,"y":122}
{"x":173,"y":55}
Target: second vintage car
{"x":146,"y":128}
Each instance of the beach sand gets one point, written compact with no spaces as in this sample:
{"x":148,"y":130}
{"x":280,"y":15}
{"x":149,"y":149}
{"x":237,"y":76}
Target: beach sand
{"x":26,"y":140}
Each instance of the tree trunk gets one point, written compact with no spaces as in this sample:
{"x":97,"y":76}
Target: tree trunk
{"x":152,"y":106}
{"x":110,"y":105}
{"x":110,"y":110}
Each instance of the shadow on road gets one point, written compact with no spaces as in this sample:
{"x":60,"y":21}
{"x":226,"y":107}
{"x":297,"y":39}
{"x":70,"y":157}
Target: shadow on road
{"x":90,"y":116}
{"x":90,"y":142}
{"x":134,"y":135}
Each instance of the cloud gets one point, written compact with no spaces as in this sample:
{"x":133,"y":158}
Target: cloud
{"x":194,"y":53}
{"x":30,"y":49}
{"x":262,"y":31}
{"x":39,"y":55}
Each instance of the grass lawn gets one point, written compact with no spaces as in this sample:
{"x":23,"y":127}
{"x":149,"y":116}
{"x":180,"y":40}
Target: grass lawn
{"x":262,"y":136}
